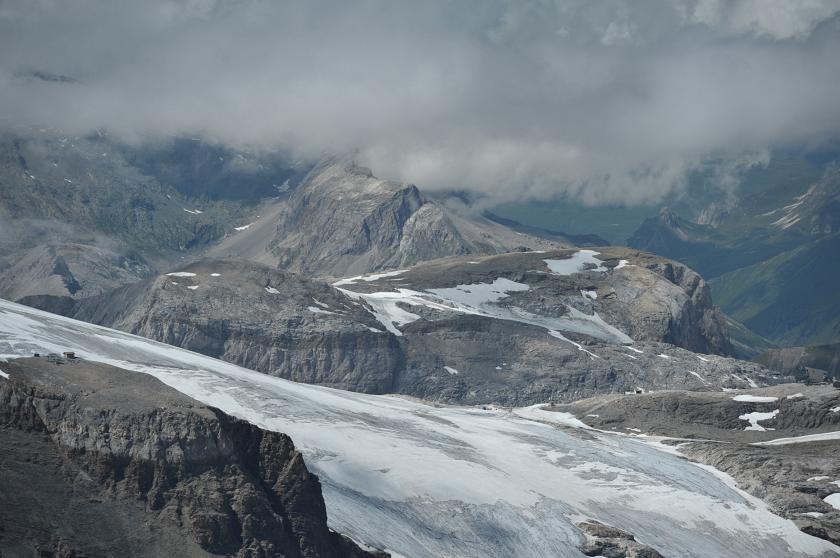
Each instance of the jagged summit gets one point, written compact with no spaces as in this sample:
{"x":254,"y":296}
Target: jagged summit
{"x":343,"y":220}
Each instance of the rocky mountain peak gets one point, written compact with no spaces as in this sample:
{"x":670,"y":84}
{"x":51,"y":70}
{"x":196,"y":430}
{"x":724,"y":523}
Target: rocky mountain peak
{"x":342,"y":220}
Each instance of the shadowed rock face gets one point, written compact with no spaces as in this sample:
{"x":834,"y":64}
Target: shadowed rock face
{"x":133,"y":468}
{"x":342,"y":221}
{"x":308,"y":331}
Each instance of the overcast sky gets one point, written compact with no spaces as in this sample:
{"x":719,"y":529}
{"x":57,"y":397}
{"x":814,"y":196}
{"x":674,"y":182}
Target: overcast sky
{"x":609,"y":101}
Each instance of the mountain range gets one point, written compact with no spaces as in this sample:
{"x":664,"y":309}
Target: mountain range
{"x":374,"y":326}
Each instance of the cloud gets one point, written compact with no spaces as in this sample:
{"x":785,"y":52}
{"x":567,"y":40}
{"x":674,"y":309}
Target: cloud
{"x":609,"y":102}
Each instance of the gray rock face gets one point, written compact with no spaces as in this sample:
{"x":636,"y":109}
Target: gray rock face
{"x":793,"y":478}
{"x":160,"y":472}
{"x":606,"y":541}
{"x":257,"y":317}
{"x":70,"y":270}
{"x":546,"y":343}
{"x":342,"y":221}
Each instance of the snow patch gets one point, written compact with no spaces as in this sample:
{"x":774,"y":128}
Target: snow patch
{"x":193,"y":211}
{"x":478,"y":299}
{"x":835,"y":409}
{"x":243,"y":227}
{"x":576,"y":263}
{"x":704,"y":359}
{"x":272,"y":290}
{"x":795,"y":396}
{"x":215,"y":275}
{"x":316,"y":310}
{"x":451,"y":370}
{"x":591,"y":295}
{"x":747,"y":398}
{"x":663,"y":355}
{"x":833,"y":500}
{"x":538,"y":413}
{"x":824,"y":436}
{"x":622,"y":263}
{"x":181,"y":274}
{"x":698,"y":376}
{"x":4,"y":375}
{"x":755,"y":417}
{"x":368,"y":278}
{"x":578,"y":346}
{"x":634,"y":349}
{"x":192,"y":287}
{"x":478,"y":294}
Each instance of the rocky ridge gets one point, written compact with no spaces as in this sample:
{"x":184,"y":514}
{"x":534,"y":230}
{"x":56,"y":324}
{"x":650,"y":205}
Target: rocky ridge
{"x":342,"y":220}
{"x":159,"y":472}
{"x":549,"y":337}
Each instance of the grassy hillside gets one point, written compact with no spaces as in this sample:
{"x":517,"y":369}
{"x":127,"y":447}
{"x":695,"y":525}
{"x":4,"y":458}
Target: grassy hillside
{"x":792,"y":298}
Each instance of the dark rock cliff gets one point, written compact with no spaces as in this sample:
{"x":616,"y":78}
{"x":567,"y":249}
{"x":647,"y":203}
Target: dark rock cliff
{"x":161,"y":473}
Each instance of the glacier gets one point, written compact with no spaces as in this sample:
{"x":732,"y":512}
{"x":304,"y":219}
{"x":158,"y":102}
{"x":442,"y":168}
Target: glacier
{"x":423,"y":480}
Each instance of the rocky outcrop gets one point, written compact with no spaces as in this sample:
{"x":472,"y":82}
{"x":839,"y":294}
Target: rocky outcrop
{"x":165,"y":474}
{"x":542,"y":341}
{"x":342,"y":221}
{"x":603,"y":540}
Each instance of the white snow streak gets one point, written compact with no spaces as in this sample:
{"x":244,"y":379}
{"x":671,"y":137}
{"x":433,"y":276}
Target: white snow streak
{"x":316,"y":310}
{"x":747,"y":398}
{"x":822,"y":437}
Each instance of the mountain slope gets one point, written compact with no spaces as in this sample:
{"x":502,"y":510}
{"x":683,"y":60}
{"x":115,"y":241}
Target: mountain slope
{"x":539,"y":335}
{"x":791,"y":298}
{"x":105,"y":205}
{"x":770,"y":258}
{"x":342,"y":221}
{"x":70,"y":271}
{"x":517,"y":474}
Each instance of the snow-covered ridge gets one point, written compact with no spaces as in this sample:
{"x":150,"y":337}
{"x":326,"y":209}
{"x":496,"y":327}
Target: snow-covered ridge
{"x":484,"y":470}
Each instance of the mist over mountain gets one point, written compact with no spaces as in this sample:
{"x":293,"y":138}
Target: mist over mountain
{"x":612,"y":103}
